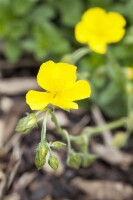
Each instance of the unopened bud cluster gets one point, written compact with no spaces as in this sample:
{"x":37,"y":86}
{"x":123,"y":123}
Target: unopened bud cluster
{"x":42,"y":151}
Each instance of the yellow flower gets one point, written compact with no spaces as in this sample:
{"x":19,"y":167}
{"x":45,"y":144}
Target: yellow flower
{"x":128,"y":71}
{"x":98,"y":28}
{"x":61,"y":87}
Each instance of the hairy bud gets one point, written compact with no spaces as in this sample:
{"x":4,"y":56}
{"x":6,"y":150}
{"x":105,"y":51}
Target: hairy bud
{"x":41,"y":153}
{"x":53,"y":162}
{"x":73,"y":159}
{"x":26,"y":124}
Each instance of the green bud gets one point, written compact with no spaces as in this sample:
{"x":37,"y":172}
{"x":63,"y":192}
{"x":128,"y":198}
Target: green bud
{"x":88,"y":159}
{"x":58,"y":145}
{"x":119,"y":139}
{"x":82,"y":143}
{"x":129,"y":88}
{"x":41,"y":153}
{"x":26,"y":124}
{"x":74,"y":160}
{"x":53,"y":162}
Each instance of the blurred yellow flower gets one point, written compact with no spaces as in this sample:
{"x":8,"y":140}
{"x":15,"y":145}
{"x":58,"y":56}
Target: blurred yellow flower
{"x":60,"y":85}
{"x":98,"y":28}
{"x":128,"y":71}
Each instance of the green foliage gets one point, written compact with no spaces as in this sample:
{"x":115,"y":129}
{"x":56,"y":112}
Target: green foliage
{"x":46,"y":28}
{"x":69,"y":16}
{"x":27,"y":26}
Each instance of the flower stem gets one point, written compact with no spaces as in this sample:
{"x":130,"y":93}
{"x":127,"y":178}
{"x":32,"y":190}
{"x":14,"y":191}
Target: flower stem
{"x":61,"y":131}
{"x":43,"y":132}
{"x":54,"y":119}
{"x":109,"y":126}
{"x":129,"y":108}
{"x":88,"y":131}
{"x":79,"y":53}
{"x":68,"y":140}
{"x":91,"y":131}
{"x":76,"y":55}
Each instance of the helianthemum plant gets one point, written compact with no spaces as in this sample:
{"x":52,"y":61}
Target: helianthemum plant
{"x":61,"y":89}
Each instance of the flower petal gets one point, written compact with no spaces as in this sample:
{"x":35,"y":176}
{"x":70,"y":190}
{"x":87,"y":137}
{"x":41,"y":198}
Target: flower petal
{"x":38,"y":100}
{"x":80,"y":90}
{"x":116,"y":19}
{"x":98,"y":46}
{"x":63,"y":103}
{"x":81,"y":33}
{"x":94,"y":15}
{"x":92,"y":23}
{"x":55,"y":76}
{"x":115,"y":25}
{"x":115,"y":35}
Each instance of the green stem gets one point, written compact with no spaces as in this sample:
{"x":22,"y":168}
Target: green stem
{"x":76,"y":55}
{"x":38,"y":113}
{"x":43,"y":132}
{"x":91,"y":131}
{"x":79,"y":53}
{"x":54,"y":119}
{"x":68,"y":140}
{"x":129,"y":108}
{"x":109,"y":126}
{"x":49,"y":149}
{"x":61,"y":131}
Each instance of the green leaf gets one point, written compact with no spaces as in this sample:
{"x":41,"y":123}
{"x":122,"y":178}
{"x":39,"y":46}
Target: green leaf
{"x":41,"y":13}
{"x":70,"y":10}
{"x":22,"y":7}
{"x":129,"y":36}
{"x":12,"y":50}
{"x":49,"y":38}
{"x":112,"y":100}
{"x":29,"y":44}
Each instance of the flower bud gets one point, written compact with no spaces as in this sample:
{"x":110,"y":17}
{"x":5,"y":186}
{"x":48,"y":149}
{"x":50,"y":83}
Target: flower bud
{"x":41,"y":153}
{"x":88,"y":159}
{"x":129,"y":88}
{"x":74,"y":160}
{"x":58,"y":145}
{"x":120,"y":139}
{"x":26,"y":124}
{"x":128,"y":71}
{"x":53,"y":162}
